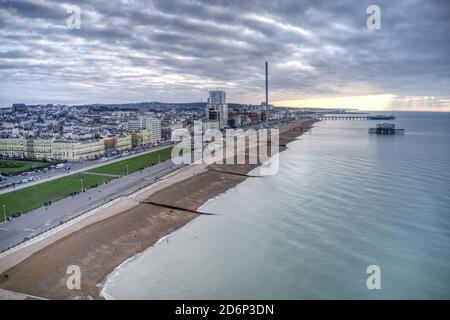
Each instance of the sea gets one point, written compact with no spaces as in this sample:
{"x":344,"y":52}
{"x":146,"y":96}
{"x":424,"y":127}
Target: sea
{"x":349,"y":215}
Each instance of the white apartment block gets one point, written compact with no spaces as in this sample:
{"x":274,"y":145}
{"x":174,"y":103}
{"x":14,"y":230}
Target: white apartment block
{"x":134,"y":125}
{"x":153,"y":125}
{"x":217,"y":109}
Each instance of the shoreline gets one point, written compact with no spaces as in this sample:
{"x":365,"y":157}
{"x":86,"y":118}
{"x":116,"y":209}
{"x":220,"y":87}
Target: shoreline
{"x":103,"y":246}
{"x":104,"y":284}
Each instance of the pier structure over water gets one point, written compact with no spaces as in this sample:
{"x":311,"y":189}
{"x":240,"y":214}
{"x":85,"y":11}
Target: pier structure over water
{"x":386,"y":129}
{"x":354,"y":117}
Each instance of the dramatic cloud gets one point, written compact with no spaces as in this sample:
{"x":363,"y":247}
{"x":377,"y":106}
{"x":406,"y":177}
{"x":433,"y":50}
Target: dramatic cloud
{"x":165,"y":50}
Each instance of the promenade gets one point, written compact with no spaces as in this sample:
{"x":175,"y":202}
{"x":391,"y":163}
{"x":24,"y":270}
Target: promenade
{"x":43,"y":218}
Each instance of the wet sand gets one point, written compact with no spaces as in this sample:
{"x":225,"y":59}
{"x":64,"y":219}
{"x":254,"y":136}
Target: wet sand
{"x":100,"y":247}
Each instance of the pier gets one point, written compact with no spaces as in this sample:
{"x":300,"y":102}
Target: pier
{"x":354,"y":117}
{"x":386,"y":129}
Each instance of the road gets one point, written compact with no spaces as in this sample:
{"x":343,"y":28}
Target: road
{"x":76,"y":167}
{"x":39,"y":220}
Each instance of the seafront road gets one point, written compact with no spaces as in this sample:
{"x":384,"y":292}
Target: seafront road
{"x":77,"y":167}
{"x":41,"y":219}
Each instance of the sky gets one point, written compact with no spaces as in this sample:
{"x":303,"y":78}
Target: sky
{"x":320,"y":53}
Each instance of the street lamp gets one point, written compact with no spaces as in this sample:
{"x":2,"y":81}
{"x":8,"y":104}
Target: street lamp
{"x":4,"y":212}
{"x":81,"y":182}
{"x":127,"y":168}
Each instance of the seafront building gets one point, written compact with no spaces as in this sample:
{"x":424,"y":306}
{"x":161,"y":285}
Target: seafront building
{"x":14,"y":147}
{"x":153,"y":125}
{"x":123,"y":142}
{"x":70,"y":150}
{"x":134,"y":124}
{"x":72,"y":133}
{"x":50,"y":149}
{"x":217,"y":110}
{"x":149,"y":123}
{"x":140,"y":138}
{"x":77,"y":150}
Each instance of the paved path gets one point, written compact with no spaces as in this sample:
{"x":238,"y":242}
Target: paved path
{"x":101,"y":174}
{"x":39,"y":220}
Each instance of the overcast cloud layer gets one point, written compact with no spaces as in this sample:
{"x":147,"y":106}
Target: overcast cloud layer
{"x":175,"y":51}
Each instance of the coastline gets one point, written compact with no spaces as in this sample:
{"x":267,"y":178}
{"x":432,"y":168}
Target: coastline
{"x":104,"y":284}
{"x":101,"y":247}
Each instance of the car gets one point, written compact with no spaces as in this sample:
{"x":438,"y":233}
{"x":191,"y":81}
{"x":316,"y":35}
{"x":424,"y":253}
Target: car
{"x":24,"y":181}
{"x":4,"y":186}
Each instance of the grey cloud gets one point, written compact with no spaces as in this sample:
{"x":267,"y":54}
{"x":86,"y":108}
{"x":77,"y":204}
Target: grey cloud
{"x":172,"y":50}
{"x":33,"y":9}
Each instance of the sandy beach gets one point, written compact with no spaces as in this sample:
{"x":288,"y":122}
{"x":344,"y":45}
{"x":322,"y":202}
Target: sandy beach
{"x":102,"y":241}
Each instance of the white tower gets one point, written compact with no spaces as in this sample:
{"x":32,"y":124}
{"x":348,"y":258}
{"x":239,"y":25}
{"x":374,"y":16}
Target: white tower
{"x":217,"y":109}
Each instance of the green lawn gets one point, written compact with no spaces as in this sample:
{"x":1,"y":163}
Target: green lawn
{"x":33,"y":197}
{"x":135,"y":164}
{"x":18,"y":166}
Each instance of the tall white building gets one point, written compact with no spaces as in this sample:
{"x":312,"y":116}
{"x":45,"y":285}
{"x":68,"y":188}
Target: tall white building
{"x":217,"y":109}
{"x":153,"y":125}
{"x":134,"y":124}
{"x":216,"y":97}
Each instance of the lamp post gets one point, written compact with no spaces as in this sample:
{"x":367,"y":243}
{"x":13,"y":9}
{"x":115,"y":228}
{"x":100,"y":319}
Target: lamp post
{"x":4,"y":212}
{"x":267,"y":94}
{"x":81,"y":182}
{"x":127,"y":168}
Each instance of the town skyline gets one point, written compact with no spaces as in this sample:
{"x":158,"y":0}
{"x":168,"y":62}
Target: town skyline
{"x":380,"y":103}
{"x":321,"y":54}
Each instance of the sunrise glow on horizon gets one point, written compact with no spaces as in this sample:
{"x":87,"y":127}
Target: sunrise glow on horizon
{"x":380,"y":102}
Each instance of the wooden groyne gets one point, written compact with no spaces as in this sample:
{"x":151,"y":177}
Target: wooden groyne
{"x":168,"y":206}
{"x":236,"y":174}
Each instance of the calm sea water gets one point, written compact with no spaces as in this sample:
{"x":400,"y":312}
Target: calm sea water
{"x":342,"y":200}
